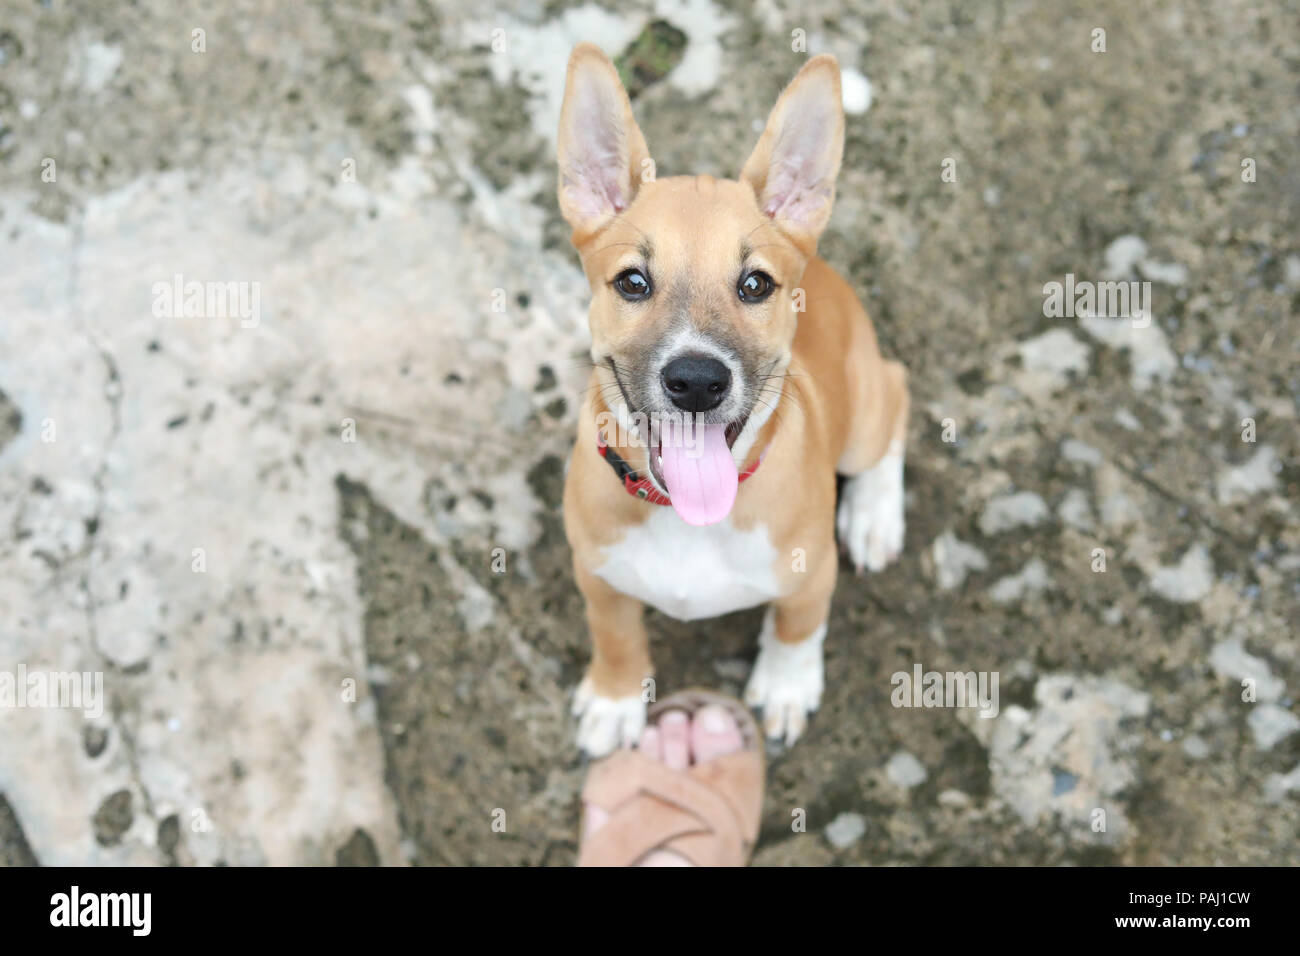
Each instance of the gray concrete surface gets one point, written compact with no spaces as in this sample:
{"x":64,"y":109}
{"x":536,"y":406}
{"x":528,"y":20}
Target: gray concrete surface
{"x":307,"y":654}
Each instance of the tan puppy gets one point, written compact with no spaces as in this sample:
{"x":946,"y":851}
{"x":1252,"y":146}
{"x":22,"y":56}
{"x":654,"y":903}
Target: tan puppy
{"x":734,"y":374}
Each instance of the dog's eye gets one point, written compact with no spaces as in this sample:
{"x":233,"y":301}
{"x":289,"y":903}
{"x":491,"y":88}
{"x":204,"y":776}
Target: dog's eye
{"x":632,"y":284}
{"x":755,"y":287}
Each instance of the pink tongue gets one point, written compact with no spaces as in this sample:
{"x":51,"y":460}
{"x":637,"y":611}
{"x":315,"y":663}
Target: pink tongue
{"x":699,"y":471}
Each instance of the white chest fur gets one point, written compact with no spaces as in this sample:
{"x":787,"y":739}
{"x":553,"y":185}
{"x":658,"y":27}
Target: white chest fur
{"x":689,"y":572}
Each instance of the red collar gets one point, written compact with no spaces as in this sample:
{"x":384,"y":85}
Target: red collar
{"x":644,"y":488}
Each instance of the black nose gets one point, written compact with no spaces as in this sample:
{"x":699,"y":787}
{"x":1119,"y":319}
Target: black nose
{"x":696,"y":383}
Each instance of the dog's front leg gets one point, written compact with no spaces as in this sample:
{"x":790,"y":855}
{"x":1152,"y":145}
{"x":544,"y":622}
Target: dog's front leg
{"x":787,"y":678}
{"x":611,"y":700}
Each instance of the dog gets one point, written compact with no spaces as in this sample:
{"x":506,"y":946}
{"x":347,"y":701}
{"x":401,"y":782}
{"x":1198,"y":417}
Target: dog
{"x":734,"y":374}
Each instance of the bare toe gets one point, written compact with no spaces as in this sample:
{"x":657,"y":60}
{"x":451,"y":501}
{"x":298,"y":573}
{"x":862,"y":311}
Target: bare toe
{"x":675,"y":730}
{"x":652,"y":744}
{"x":714,"y":734}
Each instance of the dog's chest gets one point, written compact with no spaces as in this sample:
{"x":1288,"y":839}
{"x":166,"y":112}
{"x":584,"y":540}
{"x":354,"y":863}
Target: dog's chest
{"x":690,"y":572}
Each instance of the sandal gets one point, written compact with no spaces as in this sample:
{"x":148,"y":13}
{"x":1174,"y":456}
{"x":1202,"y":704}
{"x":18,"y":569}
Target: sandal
{"x":708,"y":813}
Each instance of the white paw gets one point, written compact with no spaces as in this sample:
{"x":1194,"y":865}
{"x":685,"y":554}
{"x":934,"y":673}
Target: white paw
{"x":870,"y":519}
{"x":786,"y":681}
{"x":607,"y":723}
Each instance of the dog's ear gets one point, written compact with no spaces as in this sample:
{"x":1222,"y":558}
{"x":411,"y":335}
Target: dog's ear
{"x":601,"y":150}
{"x":793,"y":168}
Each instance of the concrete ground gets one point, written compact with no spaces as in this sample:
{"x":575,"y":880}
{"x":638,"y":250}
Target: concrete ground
{"x":273,"y":530}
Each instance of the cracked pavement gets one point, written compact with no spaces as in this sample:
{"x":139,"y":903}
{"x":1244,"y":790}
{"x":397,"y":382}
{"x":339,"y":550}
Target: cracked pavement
{"x":317,"y":557}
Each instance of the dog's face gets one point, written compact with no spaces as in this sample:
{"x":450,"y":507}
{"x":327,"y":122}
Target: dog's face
{"x":695,"y":280}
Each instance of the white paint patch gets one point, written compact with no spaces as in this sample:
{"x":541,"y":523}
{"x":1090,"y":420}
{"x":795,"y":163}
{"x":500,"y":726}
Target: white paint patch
{"x":1075,"y":511}
{"x":704,"y":24}
{"x":690,"y":572}
{"x":1187,"y":581}
{"x":1126,"y":419}
{"x":423,"y":122}
{"x":1231,"y":659}
{"x":387,"y":319}
{"x":1278,"y":785}
{"x":1237,"y":483}
{"x":905,"y":771}
{"x":845,"y":830}
{"x":954,"y":559}
{"x":1048,"y":360}
{"x":855,"y":92}
{"x":1119,"y":511}
{"x":787,"y":681}
{"x":1023,"y":509}
{"x":1168,"y":273}
{"x":1270,"y":724}
{"x":1122,"y":255}
{"x":1128,"y":254}
{"x":96,"y":65}
{"x":537,"y":56}
{"x":1291,"y":271}
{"x":1149,"y":353}
{"x":871,"y":520}
{"x":1082,"y":732}
{"x":1080,"y":452}
{"x":1032,"y":579}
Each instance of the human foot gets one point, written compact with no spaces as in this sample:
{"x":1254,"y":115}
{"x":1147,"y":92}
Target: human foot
{"x":689,"y":794}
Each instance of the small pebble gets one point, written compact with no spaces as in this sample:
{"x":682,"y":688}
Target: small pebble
{"x":845,"y":830}
{"x":905,"y":770}
{"x":1270,"y":724}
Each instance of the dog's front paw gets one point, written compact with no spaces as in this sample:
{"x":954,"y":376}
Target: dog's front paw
{"x":607,"y":723}
{"x":870,"y":519}
{"x":786,"y":682}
